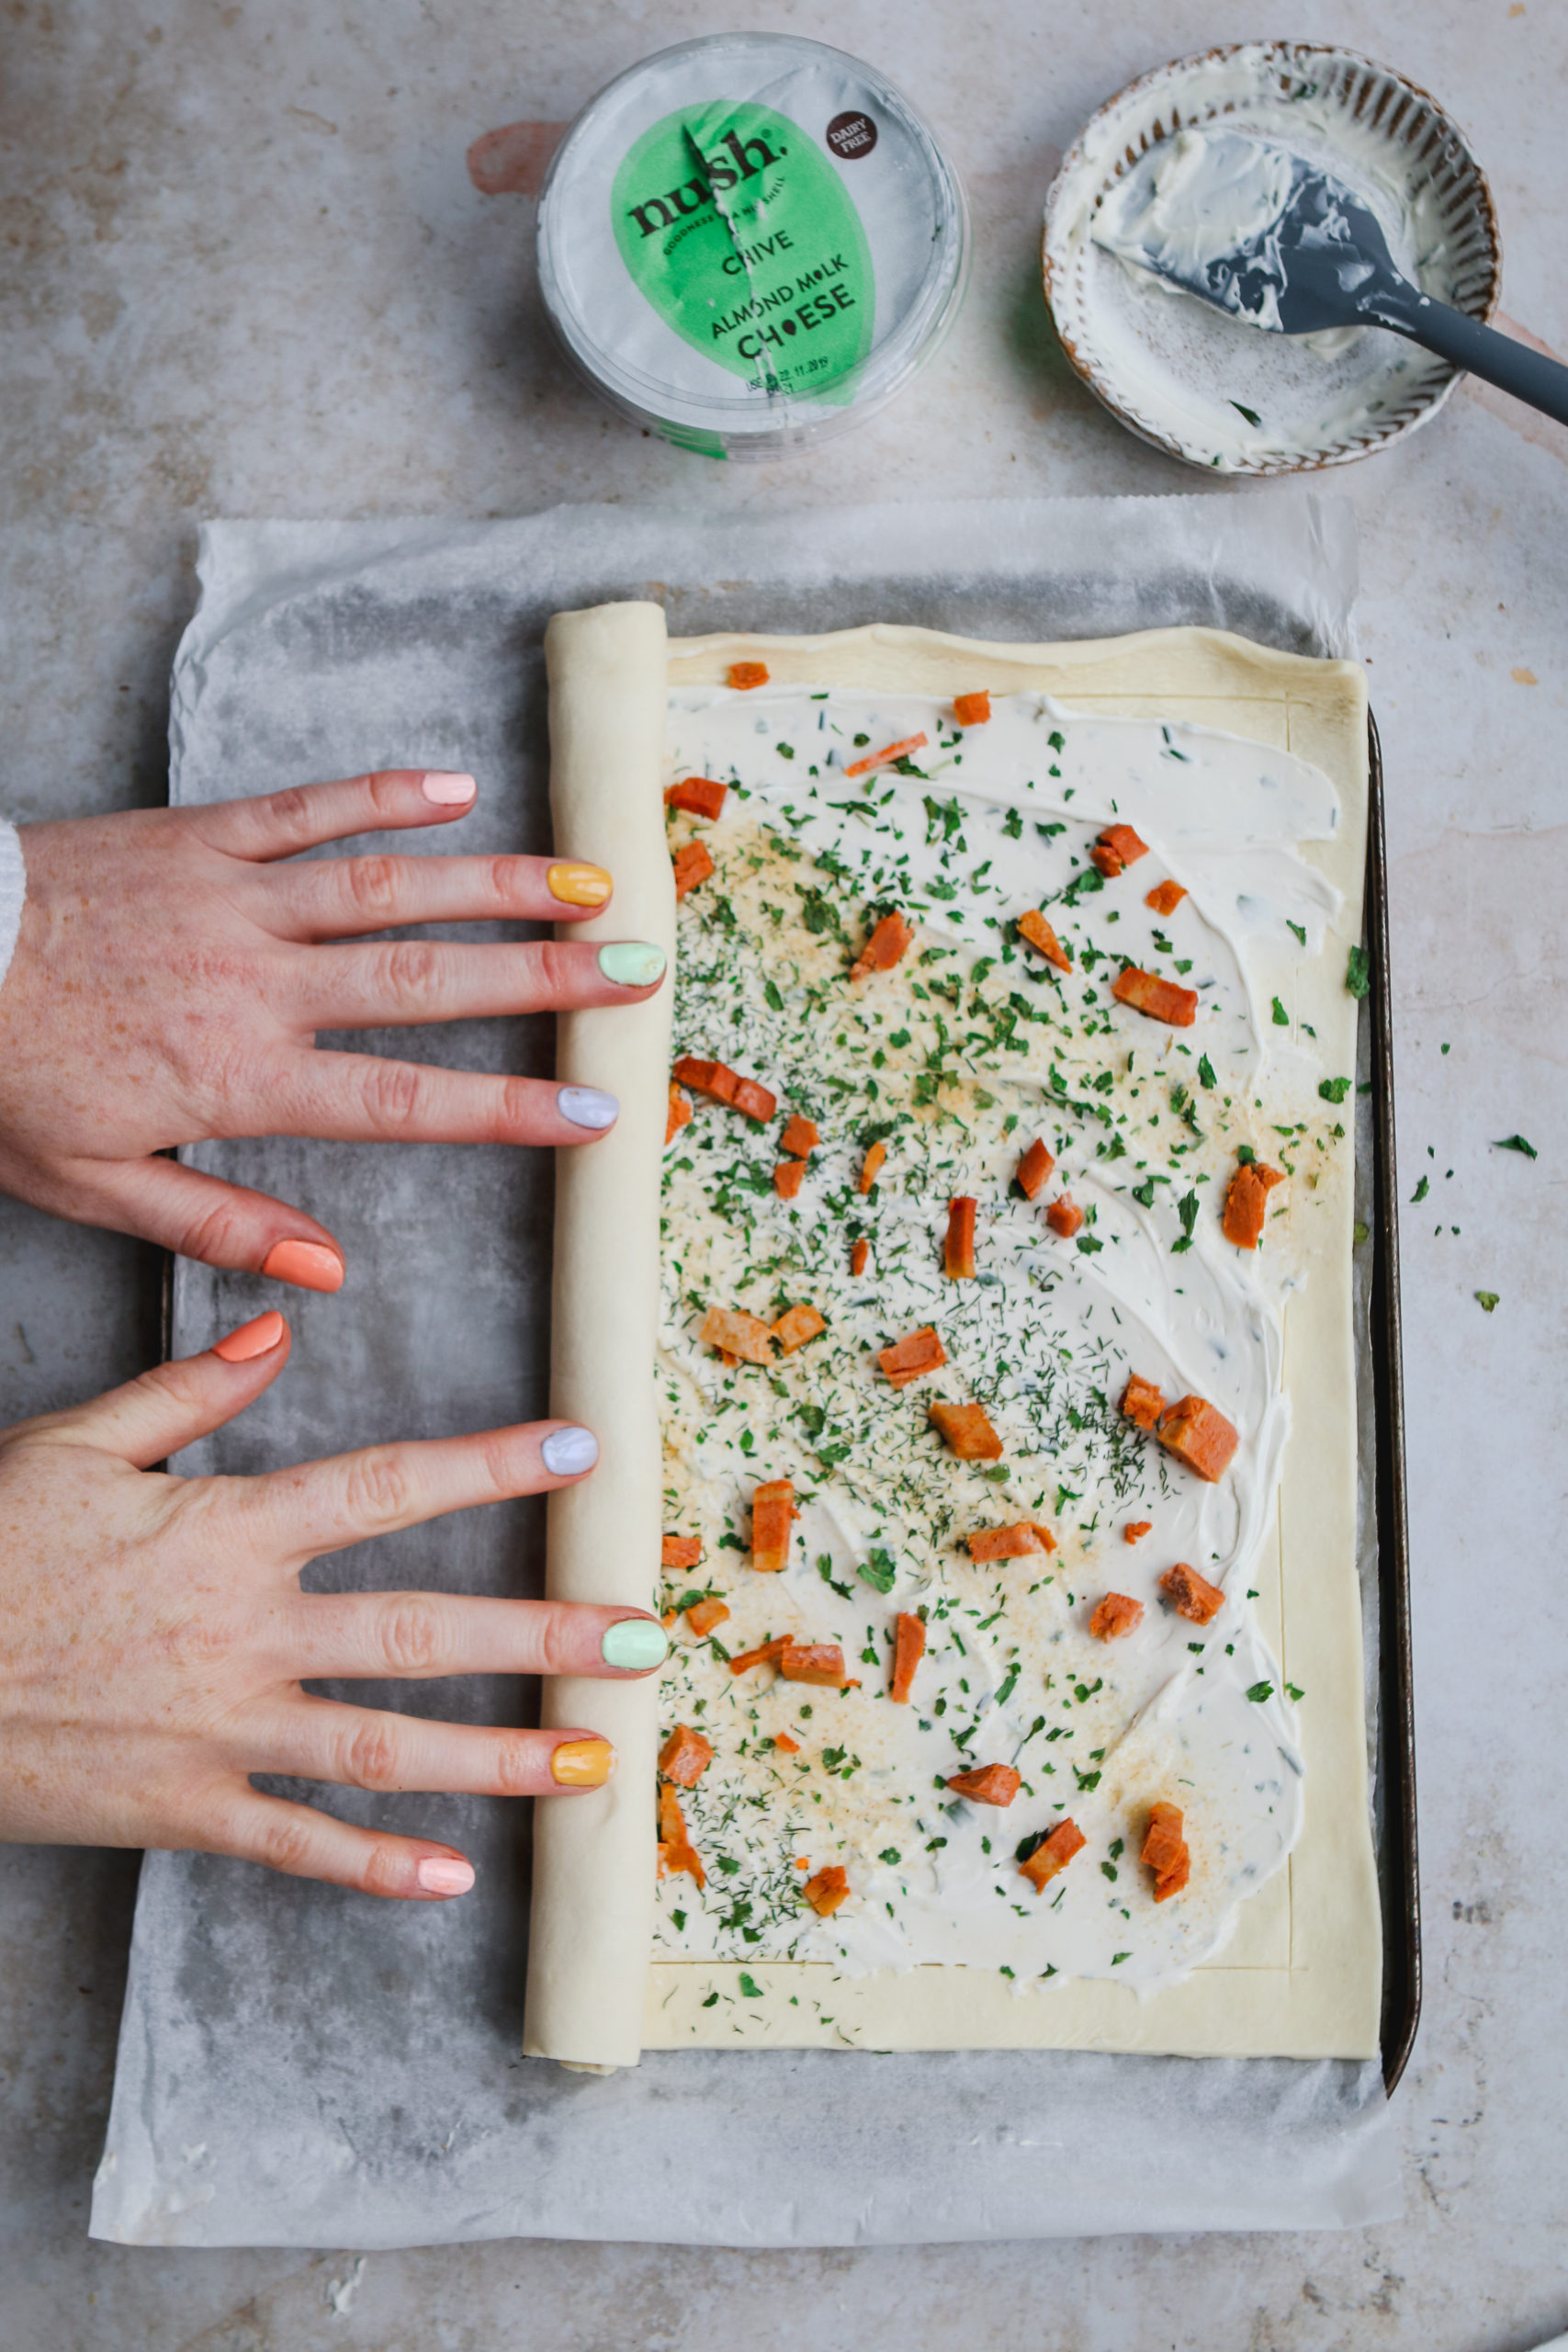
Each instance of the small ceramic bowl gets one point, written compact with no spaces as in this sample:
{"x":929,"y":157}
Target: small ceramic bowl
{"x":1210,"y":388}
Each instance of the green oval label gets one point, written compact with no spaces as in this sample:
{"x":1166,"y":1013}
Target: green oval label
{"x":739,"y":231}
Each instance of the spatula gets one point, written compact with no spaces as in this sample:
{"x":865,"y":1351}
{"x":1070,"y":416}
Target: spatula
{"x":1307,"y":255}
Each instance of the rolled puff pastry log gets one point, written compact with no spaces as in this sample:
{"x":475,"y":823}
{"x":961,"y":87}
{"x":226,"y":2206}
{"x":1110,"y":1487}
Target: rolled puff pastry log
{"x":590,"y":1931}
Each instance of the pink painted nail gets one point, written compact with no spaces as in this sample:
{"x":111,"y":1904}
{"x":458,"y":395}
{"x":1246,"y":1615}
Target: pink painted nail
{"x":252,"y":1338}
{"x":441,"y":1874}
{"x":307,"y":1264}
{"x":447,"y":790}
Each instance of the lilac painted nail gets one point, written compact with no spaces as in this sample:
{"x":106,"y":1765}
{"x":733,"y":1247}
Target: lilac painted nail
{"x":587,"y":1106}
{"x":568,"y":1452}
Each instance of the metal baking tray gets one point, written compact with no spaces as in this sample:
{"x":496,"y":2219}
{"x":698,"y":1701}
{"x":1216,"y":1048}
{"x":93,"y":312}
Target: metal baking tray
{"x":1393,"y":1778}
{"x":1394,"y":1771}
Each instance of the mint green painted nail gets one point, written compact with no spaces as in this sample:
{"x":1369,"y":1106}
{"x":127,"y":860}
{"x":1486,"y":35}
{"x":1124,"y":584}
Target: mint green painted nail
{"x":631,"y":963}
{"x":634,"y":1643}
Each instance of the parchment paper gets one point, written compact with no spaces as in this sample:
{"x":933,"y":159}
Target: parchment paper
{"x":302,"y":2066}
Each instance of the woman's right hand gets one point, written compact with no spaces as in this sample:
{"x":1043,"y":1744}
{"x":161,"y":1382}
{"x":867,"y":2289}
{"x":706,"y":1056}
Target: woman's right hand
{"x":174,"y":965}
{"x":155,"y":1637}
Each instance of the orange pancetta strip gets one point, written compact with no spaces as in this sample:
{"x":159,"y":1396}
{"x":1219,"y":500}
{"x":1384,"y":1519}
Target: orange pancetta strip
{"x":745,"y":674}
{"x":973,"y":710}
{"x":789,"y":1175}
{"x":795,"y":1325}
{"x":1246,"y":1202}
{"x":1117,"y":1615}
{"x":908,"y":1649}
{"x":827,"y":1890}
{"x":908,"y":1358}
{"x":790,"y":1747}
{"x":859,"y":1257}
{"x":678,"y":1116}
{"x":725,"y":1085}
{"x":1191,"y":1594}
{"x":888,"y":754}
{"x":1165,"y":897}
{"x":699,"y":795}
{"x":1165,"y":1852}
{"x":800,"y":1137}
{"x":967,"y":1431}
{"x":681,"y":1550}
{"x":1142,"y":1401}
{"x":755,"y":1101}
{"x":1009,"y":1542}
{"x":693,"y":864}
{"x":1161,"y":999}
{"x":735,"y":1333}
{"x":1135,"y":1530}
{"x":988,"y":1784}
{"x":871,"y":1167}
{"x":703,"y":1615}
{"x":821,"y":1662}
{"x":1064,"y":1215}
{"x":1033,"y":927}
{"x":888,"y":945}
{"x":958,"y":1250}
{"x":765,"y":1654}
{"x":1033,"y":1169}
{"x":685,"y":1757}
{"x":1199,"y":1434}
{"x":772,"y":1515}
{"x":677,"y":1855}
{"x":1052,"y":1854}
{"x":1117,"y":848}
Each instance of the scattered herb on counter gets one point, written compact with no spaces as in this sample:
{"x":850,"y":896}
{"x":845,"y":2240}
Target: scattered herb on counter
{"x":1488,"y":1299}
{"x":1516,"y":1143}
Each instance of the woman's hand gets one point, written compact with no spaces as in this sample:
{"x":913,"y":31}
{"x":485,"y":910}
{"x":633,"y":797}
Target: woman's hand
{"x":153,"y":1636}
{"x":173,"y":966}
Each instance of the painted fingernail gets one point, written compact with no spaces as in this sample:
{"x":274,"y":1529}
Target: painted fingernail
{"x":252,"y":1338}
{"x":585,"y":1106}
{"x":568,"y":1453}
{"x":631,"y":963}
{"x":579,"y":886}
{"x":446,"y":788}
{"x":635,"y":1643}
{"x":582,"y":1763}
{"x":442,"y":1874}
{"x":308,"y":1264}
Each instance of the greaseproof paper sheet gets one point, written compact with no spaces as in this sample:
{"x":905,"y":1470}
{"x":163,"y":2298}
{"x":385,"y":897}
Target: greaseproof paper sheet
{"x":300,"y":2066}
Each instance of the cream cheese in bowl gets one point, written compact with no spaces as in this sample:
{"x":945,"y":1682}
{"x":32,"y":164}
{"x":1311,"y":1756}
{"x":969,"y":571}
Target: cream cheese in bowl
{"x":750,"y":242}
{"x":1192,"y":160}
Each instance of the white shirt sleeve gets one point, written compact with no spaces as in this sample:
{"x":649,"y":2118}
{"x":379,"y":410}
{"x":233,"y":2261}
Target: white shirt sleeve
{"x":12,"y":890}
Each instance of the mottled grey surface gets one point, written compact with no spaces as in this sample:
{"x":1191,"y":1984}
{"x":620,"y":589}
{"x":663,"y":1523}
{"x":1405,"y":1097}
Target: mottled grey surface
{"x":242,"y":271}
{"x":304,"y":2069}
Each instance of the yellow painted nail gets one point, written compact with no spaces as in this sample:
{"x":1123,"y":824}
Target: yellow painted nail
{"x":579,"y":885}
{"x":582,"y":1763}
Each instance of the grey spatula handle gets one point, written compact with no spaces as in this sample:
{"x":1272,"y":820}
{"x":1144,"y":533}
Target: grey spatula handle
{"x":1481,"y":351}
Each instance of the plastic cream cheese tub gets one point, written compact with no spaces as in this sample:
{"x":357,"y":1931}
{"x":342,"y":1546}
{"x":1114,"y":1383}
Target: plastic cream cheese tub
{"x":751,"y":242}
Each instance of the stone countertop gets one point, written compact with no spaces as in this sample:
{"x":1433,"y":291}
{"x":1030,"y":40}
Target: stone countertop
{"x":247,"y":272}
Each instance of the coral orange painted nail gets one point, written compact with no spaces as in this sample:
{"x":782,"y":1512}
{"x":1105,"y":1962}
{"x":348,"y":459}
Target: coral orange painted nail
{"x":252,"y":1338}
{"x":582,"y":1763}
{"x":308,"y":1264}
